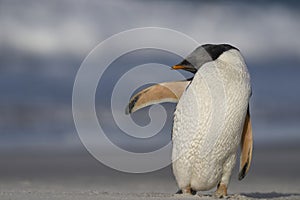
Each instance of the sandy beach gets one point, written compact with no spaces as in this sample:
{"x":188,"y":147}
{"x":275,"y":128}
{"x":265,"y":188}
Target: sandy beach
{"x":74,"y":174}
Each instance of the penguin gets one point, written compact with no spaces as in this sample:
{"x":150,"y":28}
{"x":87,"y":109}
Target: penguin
{"x":211,"y":119}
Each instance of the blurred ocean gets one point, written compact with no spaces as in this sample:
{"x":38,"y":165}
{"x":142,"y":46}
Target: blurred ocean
{"x":42,"y":44}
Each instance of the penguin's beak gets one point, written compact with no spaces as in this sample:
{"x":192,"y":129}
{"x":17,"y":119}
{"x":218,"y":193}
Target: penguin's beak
{"x":178,"y":67}
{"x":187,"y":68}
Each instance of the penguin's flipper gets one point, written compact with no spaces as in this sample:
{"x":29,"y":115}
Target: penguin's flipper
{"x":247,"y":146}
{"x":159,"y":93}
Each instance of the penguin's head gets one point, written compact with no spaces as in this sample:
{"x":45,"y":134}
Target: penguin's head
{"x":203,"y":54}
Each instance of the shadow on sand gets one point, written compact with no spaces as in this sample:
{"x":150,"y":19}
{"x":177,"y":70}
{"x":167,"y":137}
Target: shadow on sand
{"x":269,"y":195}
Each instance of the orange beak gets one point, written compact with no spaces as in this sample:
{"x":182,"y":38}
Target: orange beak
{"x":187,"y":68}
{"x":175,"y":67}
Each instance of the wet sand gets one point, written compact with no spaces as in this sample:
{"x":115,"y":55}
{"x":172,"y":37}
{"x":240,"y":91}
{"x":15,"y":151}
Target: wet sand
{"x":74,"y":174}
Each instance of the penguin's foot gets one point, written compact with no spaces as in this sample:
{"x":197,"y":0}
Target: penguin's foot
{"x":221,"y":191}
{"x":193,"y":192}
{"x":179,"y":192}
{"x":187,"y":190}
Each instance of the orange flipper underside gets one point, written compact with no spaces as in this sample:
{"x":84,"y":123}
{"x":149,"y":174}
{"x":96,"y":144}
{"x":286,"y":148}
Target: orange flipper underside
{"x":159,"y":93}
{"x":247,"y":147}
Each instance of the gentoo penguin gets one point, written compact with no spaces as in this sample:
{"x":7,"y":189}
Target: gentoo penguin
{"x":211,"y":118}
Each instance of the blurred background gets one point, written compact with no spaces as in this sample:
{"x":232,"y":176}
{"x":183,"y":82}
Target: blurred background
{"x":43,"y":43}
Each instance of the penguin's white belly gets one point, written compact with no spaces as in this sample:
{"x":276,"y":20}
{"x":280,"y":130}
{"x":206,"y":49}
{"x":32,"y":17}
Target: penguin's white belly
{"x":208,"y":124}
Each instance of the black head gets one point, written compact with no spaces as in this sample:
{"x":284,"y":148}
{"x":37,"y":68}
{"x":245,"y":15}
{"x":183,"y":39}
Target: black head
{"x":202,"y":55}
{"x":215,"y":50}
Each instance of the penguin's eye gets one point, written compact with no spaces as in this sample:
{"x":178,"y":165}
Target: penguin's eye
{"x":185,"y":62}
